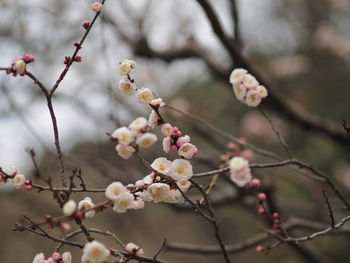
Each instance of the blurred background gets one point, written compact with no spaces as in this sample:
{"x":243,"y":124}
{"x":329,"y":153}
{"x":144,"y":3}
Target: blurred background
{"x":301,"y":46}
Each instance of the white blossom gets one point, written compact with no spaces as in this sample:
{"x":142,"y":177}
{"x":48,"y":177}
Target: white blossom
{"x":138,"y":203}
{"x":126,"y":66}
{"x":250,"y":81}
{"x":262,"y":91}
{"x":181,"y":170}
{"x":158,"y":191}
{"x":66,"y":257}
{"x":133,"y":249}
{"x":167,"y":129}
{"x":188,"y":150}
{"x":39,"y":258}
{"x":166,"y":144}
{"x":125,"y":151}
{"x":184,"y":185}
{"x":126,"y":86}
{"x":237,"y":75}
{"x":124,"y":202}
{"x":138,"y":124}
{"x":240,"y":171}
{"x":69,"y":207}
{"x":124,"y":135}
{"x":144,"y":95}
{"x":115,"y":191}
{"x":95,"y":252}
{"x":153,"y":119}
{"x":162,"y":165}
{"x":157,"y":103}
{"x":86,"y":204}
{"x":146,"y":140}
{"x":240,"y":91}
{"x":253,"y":98}
{"x":18,"y":180}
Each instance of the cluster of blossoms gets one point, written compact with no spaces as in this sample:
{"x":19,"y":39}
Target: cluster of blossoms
{"x":134,"y":135}
{"x":56,"y":257}
{"x":71,"y":207}
{"x":175,"y":142}
{"x":159,"y":186}
{"x":19,"y":65}
{"x":12,"y":177}
{"x":143,"y":95}
{"x":247,"y":88}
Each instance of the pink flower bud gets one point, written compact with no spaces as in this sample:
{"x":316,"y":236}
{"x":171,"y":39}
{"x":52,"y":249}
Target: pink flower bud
{"x":86,"y":24}
{"x":173,"y":148}
{"x":276,"y":215}
{"x":28,"y":58}
{"x":28,"y":187}
{"x":77,"y":58}
{"x":56,"y":256}
{"x":262,"y":196}
{"x":259,"y":249}
{"x":255,"y":183}
{"x":182,"y":140}
{"x":261,"y":211}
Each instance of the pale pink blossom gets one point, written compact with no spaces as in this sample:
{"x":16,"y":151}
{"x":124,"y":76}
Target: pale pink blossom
{"x":115,"y":191}
{"x":153,"y":119}
{"x":240,"y":91}
{"x":144,"y":95}
{"x":162,"y":165}
{"x":66,"y":257}
{"x":96,"y":7}
{"x":167,"y":129}
{"x":158,"y":191}
{"x":262,"y":91}
{"x":237,"y":75}
{"x":18,"y":180}
{"x":133,"y":249}
{"x":239,"y":171}
{"x":146,"y":140}
{"x":188,"y":150}
{"x":250,"y":81}
{"x":38,"y":257}
{"x":95,"y":252}
{"x":184,"y":185}
{"x":167,"y":141}
{"x":125,"y":151}
{"x":69,"y":207}
{"x":124,"y":202}
{"x":181,"y":170}
{"x":182,"y":140}
{"x":124,"y":135}
{"x":253,"y":98}
{"x":157,"y":103}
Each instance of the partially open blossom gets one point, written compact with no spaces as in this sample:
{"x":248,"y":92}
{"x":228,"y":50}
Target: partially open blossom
{"x":153,"y":119}
{"x":146,"y":140}
{"x":181,"y":170}
{"x":19,"y":180}
{"x":240,"y":171}
{"x":182,"y":140}
{"x":158,"y":191}
{"x":167,"y":141}
{"x":237,"y":75}
{"x":86,"y":204}
{"x":162,"y":165}
{"x":240,"y":91}
{"x":125,"y":151}
{"x":138,"y":124}
{"x":184,"y":185}
{"x":133,"y":249}
{"x":188,"y":150}
{"x":157,"y":103}
{"x":69,"y":207}
{"x":20,"y":66}
{"x":250,"y":81}
{"x":144,"y":95}
{"x":126,"y":66}
{"x":253,"y":98}
{"x":126,"y":86}
{"x":66,"y":257}
{"x":95,"y":252}
{"x":167,"y":129}
{"x":115,"y":191}
{"x":96,"y":7}
{"x":262,"y":91}
{"x":124,"y":202}
{"x":39,"y":258}
{"x":124,"y":135}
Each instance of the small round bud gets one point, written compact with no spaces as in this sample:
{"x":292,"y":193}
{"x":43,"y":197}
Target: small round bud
{"x":255,"y":183}
{"x":276,"y":215}
{"x":77,"y":58}
{"x":85,"y":24}
{"x":262,"y":196}
{"x":28,"y":182}
{"x":28,"y":187}
{"x":28,"y":58}
{"x":261,"y":211}
{"x":56,"y":256}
